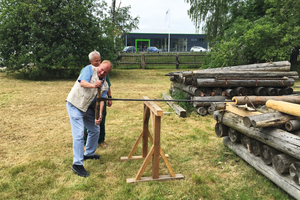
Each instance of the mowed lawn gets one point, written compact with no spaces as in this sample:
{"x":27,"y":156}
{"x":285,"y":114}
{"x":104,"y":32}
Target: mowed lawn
{"x":36,"y":147}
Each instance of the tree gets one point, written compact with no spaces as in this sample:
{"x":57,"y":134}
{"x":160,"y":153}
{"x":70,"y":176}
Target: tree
{"x":251,"y":31}
{"x":54,"y":37}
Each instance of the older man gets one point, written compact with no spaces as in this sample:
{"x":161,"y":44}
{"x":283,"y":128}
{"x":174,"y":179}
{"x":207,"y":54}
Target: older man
{"x":80,"y":106}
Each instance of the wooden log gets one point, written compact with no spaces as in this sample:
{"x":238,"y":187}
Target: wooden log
{"x":239,"y":74}
{"x":282,"y":162}
{"x":266,"y":120}
{"x":255,"y":147}
{"x":240,"y":91}
{"x":216,"y":91}
{"x":292,"y":125}
{"x":294,"y":171}
{"x":279,"y":91}
{"x":271,"y":91}
{"x":189,"y":89}
{"x":261,"y":100}
{"x":271,"y":66}
{"x":276,"y":138}
{"x":287,"y":90}
{"x":178,"y":109}
{"x":285,"y":107}
{"x":234,"y":135}
{"x":245,"y":140}
{"x":206,"y":101}
{"x":284,"y":182}
{"x":230,"y":92}
{"x":217,"y":105}
{"x":227,"y":83}
{"x":206,"y":91}
{"x":221,"y":130}
{"x":260,"y":91}
{"x":210,"y":110}
{"x":202,"y":111}
{"x":267,"y":153}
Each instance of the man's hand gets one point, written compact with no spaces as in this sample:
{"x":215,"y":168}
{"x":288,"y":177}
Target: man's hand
{"x":98,"y":121}
{"x":109,"y":103}
{"x":98,"y":84}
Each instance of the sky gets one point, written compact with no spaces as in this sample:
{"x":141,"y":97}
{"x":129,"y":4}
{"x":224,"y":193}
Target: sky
{"x":153,"y":17}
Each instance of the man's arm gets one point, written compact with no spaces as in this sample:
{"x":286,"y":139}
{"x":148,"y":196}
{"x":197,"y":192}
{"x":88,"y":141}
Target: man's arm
{"x":86,"y":84}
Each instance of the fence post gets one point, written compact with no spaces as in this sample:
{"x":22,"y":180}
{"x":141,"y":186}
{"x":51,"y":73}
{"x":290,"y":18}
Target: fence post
{"x":143,"y":61}
{"x":177,"y":61}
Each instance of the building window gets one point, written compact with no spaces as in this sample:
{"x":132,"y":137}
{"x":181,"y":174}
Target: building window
{"x":179,"y":44}
{"x":161,"y":44}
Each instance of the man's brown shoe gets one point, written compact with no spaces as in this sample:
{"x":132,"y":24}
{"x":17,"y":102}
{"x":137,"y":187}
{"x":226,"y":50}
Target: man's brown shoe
{"x":103,"y":144}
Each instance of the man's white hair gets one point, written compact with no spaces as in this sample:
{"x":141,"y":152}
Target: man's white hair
{"x":91,"y":55}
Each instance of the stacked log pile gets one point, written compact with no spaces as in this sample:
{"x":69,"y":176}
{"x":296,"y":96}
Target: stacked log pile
{"x":220,"y":84}
{"x":268,"y":138}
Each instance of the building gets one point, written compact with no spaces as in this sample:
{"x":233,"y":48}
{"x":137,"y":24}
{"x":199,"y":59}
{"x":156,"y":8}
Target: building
{"x":178,"y":42}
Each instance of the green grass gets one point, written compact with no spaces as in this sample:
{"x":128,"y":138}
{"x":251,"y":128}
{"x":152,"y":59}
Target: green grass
{"x":36,"y":148}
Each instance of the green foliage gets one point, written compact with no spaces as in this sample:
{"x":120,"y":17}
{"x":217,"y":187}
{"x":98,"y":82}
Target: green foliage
{"x":254,"y":31}
{"x":43,"y":38}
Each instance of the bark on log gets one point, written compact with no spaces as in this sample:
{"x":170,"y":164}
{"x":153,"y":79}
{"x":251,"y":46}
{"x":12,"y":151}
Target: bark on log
{"x":267,"y":153}
{"x":178,"y":109}
{"x":245,"y":140}
{"x":285,"y":107}
{"x":218,"y":105}
{"x":255,"y":147}
{"x":277,"y":138}
{"x":261,"y":100}
{"x":234,"y":135}
{"x":292,"y":125}
{"x":189,"y":89}
{"x":206,"y":101}
{"x":294,"y":171}
{"x":226,"y":83}
{"x":284,"y":182}
{"x":282,"y":162}
{"x":267,"y":120}
{"x":221,"y":130}
{"x":202,"y":111}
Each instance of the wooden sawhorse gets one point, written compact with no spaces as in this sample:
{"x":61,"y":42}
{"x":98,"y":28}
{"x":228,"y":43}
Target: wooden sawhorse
{"x":151,"y":109}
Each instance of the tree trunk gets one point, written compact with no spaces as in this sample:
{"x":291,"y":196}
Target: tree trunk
{"x":206,"y":101}
{"x":282,"y":162}
{"x":271,"y":91}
